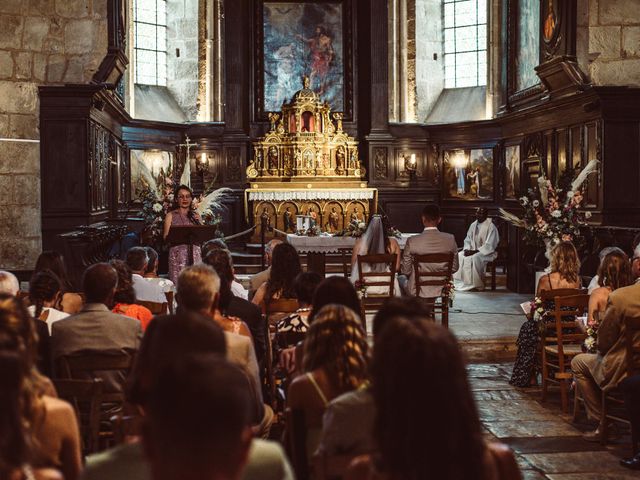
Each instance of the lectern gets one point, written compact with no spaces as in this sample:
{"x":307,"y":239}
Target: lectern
{"x":190,"y":235}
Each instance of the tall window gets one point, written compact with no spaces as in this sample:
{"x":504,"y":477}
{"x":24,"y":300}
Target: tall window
{"x":150,"y":24}
{"x":465,"y":43}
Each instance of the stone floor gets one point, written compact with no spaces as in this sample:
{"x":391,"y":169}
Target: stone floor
{"x":546,"y":443}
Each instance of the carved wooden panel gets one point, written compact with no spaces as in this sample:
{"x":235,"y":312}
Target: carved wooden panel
{"x":380,"y":167}
{"x":233,"y":172}
{"x":101,"y":153}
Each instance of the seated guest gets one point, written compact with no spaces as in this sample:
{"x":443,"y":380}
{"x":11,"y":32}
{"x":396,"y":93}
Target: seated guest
{"x":347,"y":424}
{"x":198,"y":291}
{"x":125,"y":296}
{"x":431,"y":240}
{"x":9,"y":283}
{"x":218,"y":244}
{"x":285,"y":266}
{"x":630,"y":387}
{"x":261,"y":277}
{"x":146,"y":291}
{"x":336,"y":356}
{"x":304,"y":285}
{"x":479,"y":249}
{"x":51,"y":423}
{"x":53,"y":261}
{"x":236,"y":314}
{"x":332,"y":290}
{"x":45,"y":294}
{"x":602,"y":371}
{"x":593,"y":284}
{"x":565,"y":268}
{"x":169,"y":339}
{"x":375,"y":240}
{"x":193,"y":428}
{"x":614,"y":272}
{"x":96,"y":329}
{"x":426,"y":414}
{"x":151,"y":273}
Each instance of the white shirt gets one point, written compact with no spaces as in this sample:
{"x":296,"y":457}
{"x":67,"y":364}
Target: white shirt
{"x":238,"y":290}
{"x":53,"y":316}
{"x":150,"y":291}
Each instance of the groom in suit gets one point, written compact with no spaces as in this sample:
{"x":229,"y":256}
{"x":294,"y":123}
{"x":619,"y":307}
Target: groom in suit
{"x":431,"y":240}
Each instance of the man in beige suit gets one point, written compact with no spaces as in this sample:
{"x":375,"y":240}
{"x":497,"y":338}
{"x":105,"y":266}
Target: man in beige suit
{"x":198,"y":290}
{"x":431,"y":240}
{"x":595,"y":372}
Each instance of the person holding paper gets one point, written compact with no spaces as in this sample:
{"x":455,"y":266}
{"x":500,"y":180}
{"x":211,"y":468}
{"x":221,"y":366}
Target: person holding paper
{"x":479,"y":249}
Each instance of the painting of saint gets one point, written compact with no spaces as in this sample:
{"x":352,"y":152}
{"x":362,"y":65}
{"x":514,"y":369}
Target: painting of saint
{"x":528,"y":48}
{"x":468,"y":174}
{"x":512,"y":178}
{"x":549,"y":22}
{"x":303,"y":39}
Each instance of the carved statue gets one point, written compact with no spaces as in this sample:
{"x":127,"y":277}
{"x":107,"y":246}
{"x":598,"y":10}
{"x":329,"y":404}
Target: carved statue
{"x":338,"y":118}
{"x":314,"y":216}
{"x":288,"y":220}
{"x":352,"y":160}
{"x":340,"y":158}
{"x":355,"y":216}
{"x":272,"y":158}
{"x":273,"y":120}
{"x":287,"y":165}
{"x":334,"y":220}
{"x":259,"y":159}
{"x":265,"y":218}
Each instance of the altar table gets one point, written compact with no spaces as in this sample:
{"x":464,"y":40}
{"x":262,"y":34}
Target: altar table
{"x":317,"y":247}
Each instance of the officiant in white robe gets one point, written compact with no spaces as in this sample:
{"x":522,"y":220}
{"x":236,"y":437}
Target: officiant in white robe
{"x":479,"y":249}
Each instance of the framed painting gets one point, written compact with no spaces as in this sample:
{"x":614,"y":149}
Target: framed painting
{"x":150,"y":169}
{"x":512,"y":171}
{"x":298,"y":39}
{"x":468,"y":174}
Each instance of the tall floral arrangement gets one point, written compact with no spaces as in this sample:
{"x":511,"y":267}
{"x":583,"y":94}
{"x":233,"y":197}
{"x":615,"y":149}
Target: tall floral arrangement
{"x":552,"y":212}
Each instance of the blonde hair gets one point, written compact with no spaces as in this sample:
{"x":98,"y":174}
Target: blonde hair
{"x":564,"y":260}
{"x":198,"y":286}
{"x":337,"y":343}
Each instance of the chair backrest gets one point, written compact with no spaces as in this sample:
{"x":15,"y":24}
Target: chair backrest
{"x":632,"y":341}
{"x":384,"y":278}
{"x":565,"y":329}
{"x":125,"y":427}
{"x":280,"y":307}
{"x":86,"y":397}
{"x":156,"y":308}
{"x":345,"y":256}
{"x":439,"y":276}
{"x":547,"y":295}
{"x":91,"y":364}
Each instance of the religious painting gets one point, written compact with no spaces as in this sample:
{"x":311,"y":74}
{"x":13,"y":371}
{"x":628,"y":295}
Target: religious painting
{"x":468,"y":174}
{"x":333,"y":218}
{"x":302,"y":39}
{"x":265,"y":214}
{"x":149,"y":170}
{"x":356,"y":212}
{"x":550,"y":22}
{"x":512,"y":171}
{"x":288,"y":213}
{"x":528,"y":44}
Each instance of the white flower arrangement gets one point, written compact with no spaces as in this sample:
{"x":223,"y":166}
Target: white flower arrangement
{"x":157,"y":207}
{"x":536,"y":203}
{"x":556,"y":214}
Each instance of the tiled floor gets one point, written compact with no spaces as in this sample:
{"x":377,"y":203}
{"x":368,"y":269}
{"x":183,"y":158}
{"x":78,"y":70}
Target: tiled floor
{"x":547,"y":445}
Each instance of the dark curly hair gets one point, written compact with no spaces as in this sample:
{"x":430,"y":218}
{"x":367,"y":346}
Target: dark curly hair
{"x":53,"y":261}
{"x":614,"y":271}
{"x":420,"y":385}
{"x":337,"y":343}
{"x":44,"y":286}
{"x":124,"y":291}
{"x":285,"y":267}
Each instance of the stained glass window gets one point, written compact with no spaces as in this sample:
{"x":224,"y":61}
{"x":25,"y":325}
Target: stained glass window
{"x":465,"y":43}
{"x":150,"y":30}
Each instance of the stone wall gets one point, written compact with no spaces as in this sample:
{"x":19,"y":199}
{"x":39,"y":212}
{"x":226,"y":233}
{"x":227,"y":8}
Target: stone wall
{"x":41,"y":42}
{"x":608,"y":41}
{"x":429,"y":70}
{"x":182,"y":71}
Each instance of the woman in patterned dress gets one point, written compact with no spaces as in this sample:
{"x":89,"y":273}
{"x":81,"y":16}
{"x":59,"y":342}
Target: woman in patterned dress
{"x":182,"y":214}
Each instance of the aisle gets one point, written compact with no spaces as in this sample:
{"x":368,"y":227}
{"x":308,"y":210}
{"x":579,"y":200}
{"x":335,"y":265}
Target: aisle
{"x":547,"y":445}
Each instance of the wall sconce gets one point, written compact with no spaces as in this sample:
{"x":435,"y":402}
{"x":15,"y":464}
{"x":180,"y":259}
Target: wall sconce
{"x":411,"y":165}
{"x":202,"y":165}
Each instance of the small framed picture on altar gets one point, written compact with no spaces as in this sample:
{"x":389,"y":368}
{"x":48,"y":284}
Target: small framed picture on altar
{"x":303,"y":223}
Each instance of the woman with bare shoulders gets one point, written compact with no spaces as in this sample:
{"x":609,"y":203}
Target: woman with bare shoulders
{"x":285,"y":267}
{"x":427,"y":424}
{"x":614,"y":272}
{"x":48,"y":421}
{"x":565,"y":269}
{"x":51,"y":260}
{"x":181,"y":215}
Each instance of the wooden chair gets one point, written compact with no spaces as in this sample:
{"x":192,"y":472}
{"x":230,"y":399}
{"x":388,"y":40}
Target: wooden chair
{"x":345,"y":256}
{"x":384,"y":280}
{"x":440,"y":276}
{"x":561,"y":341}
{"x":86,"y":397}
{"x":88,"y":365}
{"x":125,"y":427}
{"x":612,"y":398}
{"x":156,"y":308}
{"x":274,"y":311}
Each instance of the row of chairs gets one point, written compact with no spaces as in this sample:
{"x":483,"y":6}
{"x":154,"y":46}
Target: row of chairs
{"x":562,"y":339}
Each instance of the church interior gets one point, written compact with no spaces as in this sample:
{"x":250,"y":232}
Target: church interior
{"x":389,"y":239}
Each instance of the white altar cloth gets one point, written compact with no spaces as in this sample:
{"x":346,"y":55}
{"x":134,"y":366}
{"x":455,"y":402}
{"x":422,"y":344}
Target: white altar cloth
{"x":326,"y":243}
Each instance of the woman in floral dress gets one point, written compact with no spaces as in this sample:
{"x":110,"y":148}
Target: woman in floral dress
{"x":183,"y":214}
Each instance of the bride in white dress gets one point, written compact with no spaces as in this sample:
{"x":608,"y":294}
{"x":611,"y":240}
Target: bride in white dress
{"x":375,"y":241}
